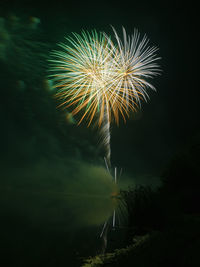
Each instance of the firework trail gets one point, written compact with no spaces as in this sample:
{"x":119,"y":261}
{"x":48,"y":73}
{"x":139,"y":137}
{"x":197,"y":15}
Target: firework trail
{"x":105,"y":138}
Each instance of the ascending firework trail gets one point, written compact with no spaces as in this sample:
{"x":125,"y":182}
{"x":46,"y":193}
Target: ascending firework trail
{"x":103,"y":79}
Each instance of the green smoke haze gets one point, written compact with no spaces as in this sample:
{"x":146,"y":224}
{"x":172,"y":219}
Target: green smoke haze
{"x":70,"y":192}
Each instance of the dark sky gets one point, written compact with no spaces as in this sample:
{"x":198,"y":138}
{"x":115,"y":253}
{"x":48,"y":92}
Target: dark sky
{"x":170,"y":119}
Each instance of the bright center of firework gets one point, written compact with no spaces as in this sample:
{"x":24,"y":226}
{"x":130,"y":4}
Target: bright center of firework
{"x":95,"y":76}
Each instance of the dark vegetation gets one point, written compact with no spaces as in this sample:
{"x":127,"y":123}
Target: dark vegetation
{"x":163,"y":224}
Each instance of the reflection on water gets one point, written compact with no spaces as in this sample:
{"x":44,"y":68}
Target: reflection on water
{"x":55,"y":205}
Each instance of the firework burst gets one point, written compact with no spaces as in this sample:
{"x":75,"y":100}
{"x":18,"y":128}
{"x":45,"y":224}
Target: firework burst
{"x":100,"y":77}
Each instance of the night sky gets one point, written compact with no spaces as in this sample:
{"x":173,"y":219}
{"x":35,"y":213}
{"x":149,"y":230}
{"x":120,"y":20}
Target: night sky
{"x":170,"y":118}
{"x":41,"y":152}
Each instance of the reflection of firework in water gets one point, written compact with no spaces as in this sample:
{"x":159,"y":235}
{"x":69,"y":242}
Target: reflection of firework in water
{"x":119,"y":211}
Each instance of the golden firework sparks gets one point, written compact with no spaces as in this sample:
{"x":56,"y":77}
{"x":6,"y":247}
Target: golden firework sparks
{"x":97,"y":76}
